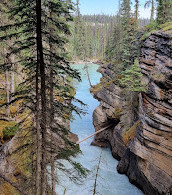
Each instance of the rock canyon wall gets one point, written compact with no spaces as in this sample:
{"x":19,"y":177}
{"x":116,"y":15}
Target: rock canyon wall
{"x":142,"y":143}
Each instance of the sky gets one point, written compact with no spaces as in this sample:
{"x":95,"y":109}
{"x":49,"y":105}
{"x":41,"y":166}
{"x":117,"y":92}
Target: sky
{"x":109,"y":7}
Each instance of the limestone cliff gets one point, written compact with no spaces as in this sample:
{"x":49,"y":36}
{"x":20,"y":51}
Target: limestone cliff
{"x":146,"y":158}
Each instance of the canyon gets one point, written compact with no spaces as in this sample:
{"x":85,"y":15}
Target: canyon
{"x":141,"y":139}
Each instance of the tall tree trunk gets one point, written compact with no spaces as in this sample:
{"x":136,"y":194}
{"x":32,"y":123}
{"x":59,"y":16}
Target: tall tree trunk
{"x":6,"y":75}
{"x":77,"y":8}
{"x":97,"y":172}
{"x":38,"y":137}
{"x":152,"y":11}
{"x":7,"y":92}
{"x":86,"y":68}
{"x":12,"y":78}
{"x":52,"y":114}
{"x":43,"y":122}
{"x":7,"y":85}
{"x":137,"y":9}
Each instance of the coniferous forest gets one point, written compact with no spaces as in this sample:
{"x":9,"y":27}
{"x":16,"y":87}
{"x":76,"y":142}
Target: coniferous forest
{"x":39,"y":40}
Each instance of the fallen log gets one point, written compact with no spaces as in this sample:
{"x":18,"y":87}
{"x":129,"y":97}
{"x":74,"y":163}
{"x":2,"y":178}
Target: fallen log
{"x":99,"y":131}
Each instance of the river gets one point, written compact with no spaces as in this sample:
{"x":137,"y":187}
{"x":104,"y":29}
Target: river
{"x":109,"y":182}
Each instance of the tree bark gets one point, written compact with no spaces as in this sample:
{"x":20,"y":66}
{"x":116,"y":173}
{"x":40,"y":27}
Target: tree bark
{"x":7,"y":84}
{"x":38,"y":137}
{"x":7,"y":92}
{"x":43,"y":122}
{"x":12,"y":78}
{"x":137,"y":9}
{"x":97,"y":172}
{"x":152,"y":11}
{"x":52,"y":113}
{"x":86,"y":67}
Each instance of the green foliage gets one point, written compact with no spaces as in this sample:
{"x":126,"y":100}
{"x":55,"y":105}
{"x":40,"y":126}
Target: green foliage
{"x":113,"y":49}
{"x":164,"y":11}
{"x":132,"y":78}
{"x":79,"y":37}
{"x":129,"y":42}
{"x":39,"y":30}
{"x":123,"y":46}
{"x":80,"y":169}
{"x":166,"y":27}
{"x":154,"y":26}
{"x":9,"y":132}
{"x":151,"y":27}
{"x":89,"y":36}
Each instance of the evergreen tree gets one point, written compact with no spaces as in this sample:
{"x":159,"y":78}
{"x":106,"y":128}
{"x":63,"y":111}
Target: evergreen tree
{"x":129,"y":50}
{"x":90,"y":36}
{"x":41,"y":30}
{"x":132,"y":78}
{"x":113,"y":49}
{"x":136,"y":9}
{"x":79,"y":35}
{"x":125,"y":41}
{"x":164,"y":11}
{"x":132,"y":81}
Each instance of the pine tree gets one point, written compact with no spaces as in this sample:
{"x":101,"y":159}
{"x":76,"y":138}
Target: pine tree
{"x":132,"y":81}
{"x":132,"y":78}
{"x":41,"y":30}
{"x":164,"y":11}
{"x":113,"y":49}
{"x":79,"y":35}
{"x":129,"y":50}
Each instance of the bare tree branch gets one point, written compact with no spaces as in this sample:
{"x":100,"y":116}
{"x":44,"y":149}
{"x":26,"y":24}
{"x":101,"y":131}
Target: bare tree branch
{"x":16,"y":186}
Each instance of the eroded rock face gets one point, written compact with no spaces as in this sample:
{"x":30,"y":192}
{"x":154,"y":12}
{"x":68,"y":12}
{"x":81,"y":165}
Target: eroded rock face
{"x":109,"y":113}
{"x":153,"y":143}
{"x":148,"y":159}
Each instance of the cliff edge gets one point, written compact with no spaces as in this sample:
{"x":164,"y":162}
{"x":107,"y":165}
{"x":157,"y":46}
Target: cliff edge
{"x":143,"y":144}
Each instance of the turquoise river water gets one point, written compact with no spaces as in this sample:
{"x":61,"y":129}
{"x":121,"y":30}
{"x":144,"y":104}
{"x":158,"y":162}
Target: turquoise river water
{"x":109,"y":182}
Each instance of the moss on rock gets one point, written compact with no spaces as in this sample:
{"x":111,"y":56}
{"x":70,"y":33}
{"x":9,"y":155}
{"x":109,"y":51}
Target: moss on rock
{"x":130,"y":134}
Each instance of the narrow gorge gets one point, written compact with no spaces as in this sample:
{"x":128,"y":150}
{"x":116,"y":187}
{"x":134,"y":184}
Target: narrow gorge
{"x":141,"y":141}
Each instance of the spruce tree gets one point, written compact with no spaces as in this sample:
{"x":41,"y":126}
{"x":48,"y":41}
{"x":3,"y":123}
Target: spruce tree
{"x":129,"y":50}
{"x":41,"y":30}
{"x":164,"y":11}
{"x":132,"y":82}
{"x":132,"y":78}
{"x":79,"y":35}
{"x":113,"y":49}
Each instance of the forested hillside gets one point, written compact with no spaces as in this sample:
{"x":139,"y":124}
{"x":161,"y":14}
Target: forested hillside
{"x":35,"y":95}
{"x":91,"y":34}
{"x":135,"y":97}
